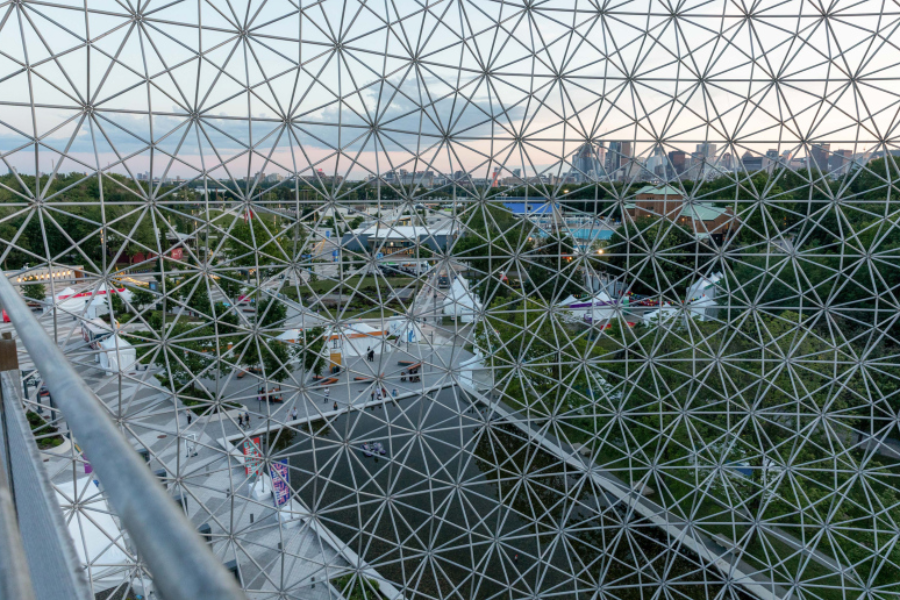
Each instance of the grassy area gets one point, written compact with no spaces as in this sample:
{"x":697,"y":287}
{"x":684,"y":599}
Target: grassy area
{"x":365,"y":291}
{"x":360,"y":589}
{"x":357,"y":311}
{"x":367,"y":283}
{"x":46,"y":435}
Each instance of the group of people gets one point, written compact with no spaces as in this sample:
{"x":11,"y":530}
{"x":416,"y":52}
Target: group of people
{"x":412,"y":376}
{"x":244,"y":419}
{"x":262,"y":395}
{"x":326,"y":396}
{"x":382,"y":394}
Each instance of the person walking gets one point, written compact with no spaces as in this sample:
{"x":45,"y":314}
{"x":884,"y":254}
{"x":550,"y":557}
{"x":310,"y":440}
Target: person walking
{"x":294,"y":414}
{"x":247,"y":418}
{"x":241,"y":420}
{"x":190,"y":416}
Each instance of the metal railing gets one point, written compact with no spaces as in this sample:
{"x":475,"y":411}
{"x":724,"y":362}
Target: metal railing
{"x":182,"y":565}
{"x":42,"y":563}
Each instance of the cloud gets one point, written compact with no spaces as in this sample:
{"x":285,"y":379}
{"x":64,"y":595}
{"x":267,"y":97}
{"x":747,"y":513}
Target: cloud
{"x":405,"y":125}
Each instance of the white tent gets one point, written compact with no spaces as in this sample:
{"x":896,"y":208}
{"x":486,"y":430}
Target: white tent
{"x":705,"y":286}
{"x":405,"y":330}
{"x":598,"y":308}
{"x":661,"y":315}
{"x":461,"y":302}
{"x":703,"y":308}
{"x":291,"y":336}
{"x":570,"y":300}
{"x":603,"y":308}
{"x":97,"y":539}
{"x":473,"y":374}
{"x":117,"y":354}
{"x":68,"y":300}
{"x":96,"y":301}
{"x":100,"y":300}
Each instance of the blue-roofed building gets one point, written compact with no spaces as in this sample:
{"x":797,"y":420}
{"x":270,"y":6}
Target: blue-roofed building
{"x":529,"y":207}
{"x":584,"y":234}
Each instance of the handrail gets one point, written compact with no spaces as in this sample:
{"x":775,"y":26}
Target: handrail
{"x":47,"y":553}
{"x":182,"y":565}
{"x":15,"y":578}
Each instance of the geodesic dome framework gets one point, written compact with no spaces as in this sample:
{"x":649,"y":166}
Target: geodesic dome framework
{"x":504,"y":300}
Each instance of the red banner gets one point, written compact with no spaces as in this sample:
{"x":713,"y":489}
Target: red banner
{"x":88,"y":294}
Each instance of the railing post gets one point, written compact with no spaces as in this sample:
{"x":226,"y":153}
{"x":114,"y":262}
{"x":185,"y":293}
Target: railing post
{"x":15,"y":578}
{"x":9,"y":361}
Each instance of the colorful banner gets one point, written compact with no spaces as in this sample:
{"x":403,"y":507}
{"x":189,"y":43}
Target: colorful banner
{"x":89,"y":294}
{"x":280,"y":482}
{"x":252,"y":456}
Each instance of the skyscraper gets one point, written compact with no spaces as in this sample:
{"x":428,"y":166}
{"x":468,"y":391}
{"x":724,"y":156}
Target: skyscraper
{"x":618,"y":159}
{"x":586,"y":161}
{"x":707,"y":150}
{"x":839,"y":162}
{"x":772,"y":159}
{"x":704,"y":160}
{"x":752,"y":163}
{"x":819,"y":155}
{"x":677,"y":163}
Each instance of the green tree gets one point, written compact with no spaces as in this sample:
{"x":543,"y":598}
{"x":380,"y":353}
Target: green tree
{"x":552,"y":272}
{"x":231,"y":285}
{"x":313,"y":344}
{"x":36,"y":291}
{"x":142,"y":297}
{"x":270,"y":312}
{"x":199,"y":301}
{"x":116,"y":303}
{"x":657,"y":255}
{"x":226,"y":318}
{"x":255,"y":242}
{"x":276,"y":359}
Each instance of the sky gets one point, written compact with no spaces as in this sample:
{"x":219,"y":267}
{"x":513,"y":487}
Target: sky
{"x":224,"y":86}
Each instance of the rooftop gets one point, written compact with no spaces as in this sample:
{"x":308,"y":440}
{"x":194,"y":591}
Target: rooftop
{"x":541,"y":207}
{"x":410,"y":232}
{"x":702,"y":211}
{"x":665,"y":190}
